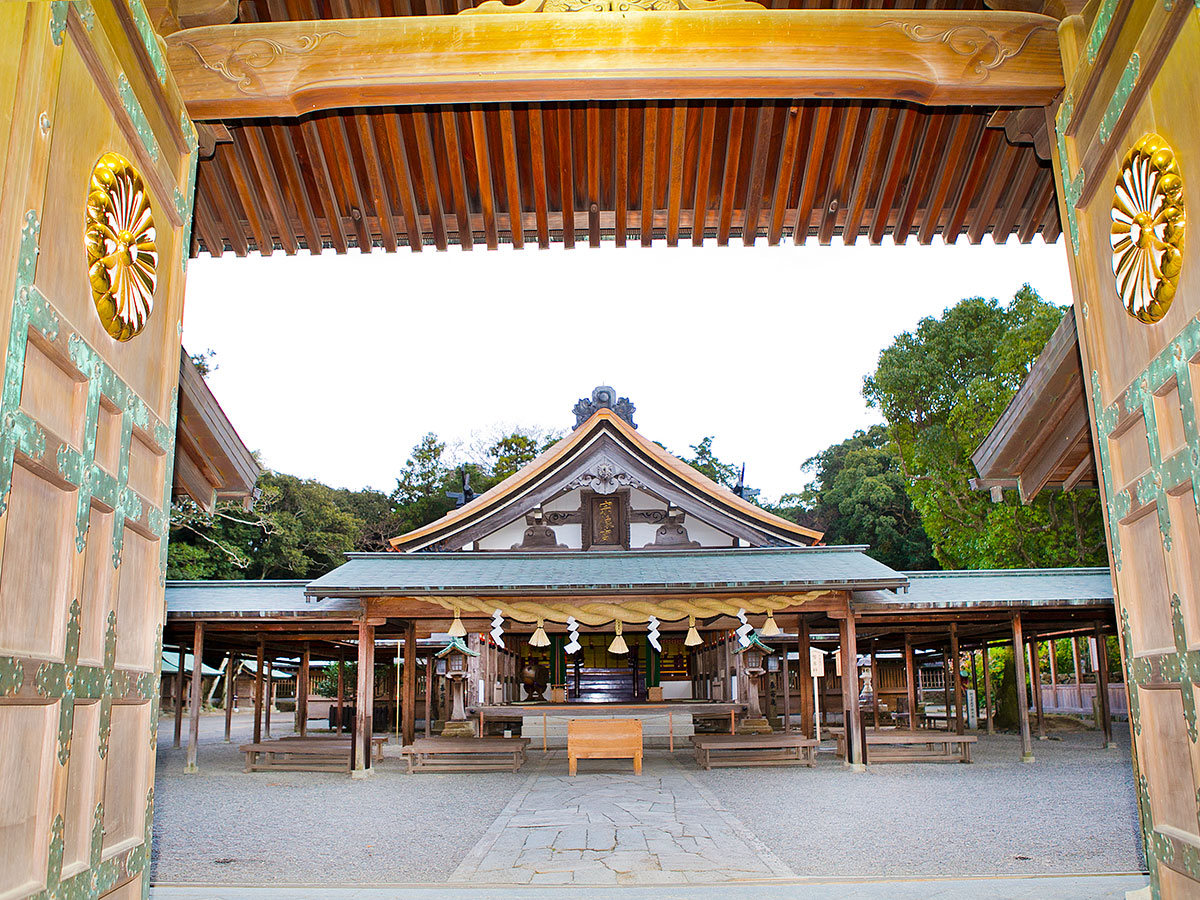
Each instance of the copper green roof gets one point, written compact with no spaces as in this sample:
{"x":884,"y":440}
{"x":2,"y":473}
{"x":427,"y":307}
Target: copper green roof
{"x":456,"y":644}
{"x":608,"y":572}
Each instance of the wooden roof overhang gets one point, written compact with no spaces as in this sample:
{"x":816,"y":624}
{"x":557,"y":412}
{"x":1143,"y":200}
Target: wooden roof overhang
{"x":1042,"y":439}
{"x":371,"y":124}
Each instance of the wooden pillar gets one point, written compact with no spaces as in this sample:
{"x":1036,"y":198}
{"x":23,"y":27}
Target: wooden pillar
{"x":1035,"y":683}
{"x":910,"y":680}
{"x":1022,"y":698}
{"x":946,"y":698}
{"x":1102,"y":687}
{"x":430,"y":665}
{"x":364,"y":702}
{"x":959,"y":723}
{"x":196,"y":699}
{"x":850,"y":712}
{"x":409,"y":699}
{"x":268,"y":693}
{"x":1053,"y":673}
{"x":975,"y":685}
{"x":1078,"y":671}
{"x":987,"y":691}
{"x":258,"y":691}
{"x":787,"y":692}
{"x":807,"y":699}
{"x":230,"y":679}
{"x":302,"y":689}
{"x":341,"y":689}
{"x":874,"y":687}
{"x":179,"y":698}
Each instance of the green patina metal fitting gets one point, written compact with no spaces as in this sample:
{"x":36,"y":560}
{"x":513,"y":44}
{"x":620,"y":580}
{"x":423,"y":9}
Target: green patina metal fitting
{"x":1072,"y":187}
{"x":149,"y":39}
{"x":58,"y":21}
{"x":12,"y":675}
{"x":1120,"y":97}
{"x":189,"y":197}
{"x":87,"y":15}
{"x":1104,"y":17}
{"x":140,"y":123}
{"x":54,"y":867}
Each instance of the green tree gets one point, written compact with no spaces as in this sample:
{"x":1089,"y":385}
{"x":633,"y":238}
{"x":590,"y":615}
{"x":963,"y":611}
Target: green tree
{"x":513,"y":451}
{"x":705,"y":461}
{"x":858,"y":496}
{"x":940,"y":388}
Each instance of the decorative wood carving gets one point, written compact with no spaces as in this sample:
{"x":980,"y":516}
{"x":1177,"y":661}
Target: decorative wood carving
{"x":1147,"y":229}
{"x":242,"y":63}
{"x":603,"y":477}
{"x":986,"y":48}
{"x":539,"y":537}
{"x":603,"y":397}
{"x":1024,"y":126}
{"x":603,"y":6}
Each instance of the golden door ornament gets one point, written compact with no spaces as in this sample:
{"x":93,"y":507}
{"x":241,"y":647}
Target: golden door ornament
{"x":1148,"y":228}
{"x":121,"y":251}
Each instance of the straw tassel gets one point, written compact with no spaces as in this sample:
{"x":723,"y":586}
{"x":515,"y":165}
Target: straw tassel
{"x":618,"y":645}
{"x":770,"y":627}
{"x":456,"y":627}
{"x":693,"y":636}
{"x":539,"y":638}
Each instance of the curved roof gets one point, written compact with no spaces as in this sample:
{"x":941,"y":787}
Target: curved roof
{"x":555,"y":459}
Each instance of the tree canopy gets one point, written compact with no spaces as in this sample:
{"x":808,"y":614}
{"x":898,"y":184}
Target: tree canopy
{"x":941,"y":387}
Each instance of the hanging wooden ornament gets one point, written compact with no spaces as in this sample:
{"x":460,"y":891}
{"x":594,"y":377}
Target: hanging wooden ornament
{"x":618,"y":645}
{"x":693,"y":636}
{"x":539,"y":638}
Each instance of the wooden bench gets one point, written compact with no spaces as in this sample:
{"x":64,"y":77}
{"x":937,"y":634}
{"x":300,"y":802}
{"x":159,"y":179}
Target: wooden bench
{"x":487,"y":754}
{"x":377,"y":742}
{"x":912,"y":746}
{"x":298,"y":754}
{"x":789,"y":748}
{"x":604,"y":739}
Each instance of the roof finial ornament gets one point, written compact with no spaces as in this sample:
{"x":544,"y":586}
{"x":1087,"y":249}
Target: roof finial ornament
{"x":603,"y":397}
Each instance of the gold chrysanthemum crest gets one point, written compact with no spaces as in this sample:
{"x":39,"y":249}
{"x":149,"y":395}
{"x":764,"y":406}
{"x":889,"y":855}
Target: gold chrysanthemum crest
{"x":1148,"y":229}
{"x":121,"y":251}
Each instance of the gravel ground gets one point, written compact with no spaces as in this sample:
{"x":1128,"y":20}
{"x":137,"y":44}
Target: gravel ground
{"x":1073,"y":810}
{"x":226,"y":826}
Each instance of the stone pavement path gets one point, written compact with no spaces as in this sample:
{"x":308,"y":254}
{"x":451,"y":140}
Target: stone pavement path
{"x":608,"y":826}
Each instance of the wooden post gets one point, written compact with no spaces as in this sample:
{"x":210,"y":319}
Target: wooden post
{"x":258,"y":691}
{"x":230,"y":678}
{"x":787,"y":693}
{"x":341,"y":688}
{"x":302,"y":689}
{"x":852,"y":720}
{"x":196,"y":700}
{"x":429,"y":667}
{"x":1078,"y":671}
{"x":807,"y":695}
{"x":1053,"y":673}
{"x":1035,"y":683}
{"x":975,"y":685}
{"x":987,"y":691}
{"x":179,"y":698}
{"x":959,"y":723}
{"x":268,"y":693}
{"x":874,"y":687}
{"x":910,"y":680}
{"x":1102,"y":687}
{"x":946,"y":685}
{"x":364,"y":701}
{"x":1022,"y":698}
{"x":409,"y":724}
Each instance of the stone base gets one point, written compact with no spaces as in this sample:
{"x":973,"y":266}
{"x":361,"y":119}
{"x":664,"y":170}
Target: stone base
{"x":459,"y":729}
{"x":754,"y":726}
{"x":1026,"y":757}
{"x":362,"y":773}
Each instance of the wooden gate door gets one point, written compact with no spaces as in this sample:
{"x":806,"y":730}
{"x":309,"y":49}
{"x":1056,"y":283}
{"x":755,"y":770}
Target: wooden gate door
{"x":1128,"y":164}
{"x":95,"y":207}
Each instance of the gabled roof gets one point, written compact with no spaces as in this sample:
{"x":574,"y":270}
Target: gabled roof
{"x":606,"y":432}
{"x":605,"y":572}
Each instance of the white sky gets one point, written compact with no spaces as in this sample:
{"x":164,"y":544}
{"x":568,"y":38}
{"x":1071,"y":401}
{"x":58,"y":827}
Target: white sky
{"x":334,"y":367}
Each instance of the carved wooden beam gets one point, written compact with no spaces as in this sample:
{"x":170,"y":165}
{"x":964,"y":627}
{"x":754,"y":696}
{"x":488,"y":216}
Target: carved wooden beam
{"x":929,"y":57}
